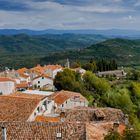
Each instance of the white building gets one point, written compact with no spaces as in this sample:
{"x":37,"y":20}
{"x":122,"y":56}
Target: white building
{"x":43,"y":81}
{"x":80,"y":70}
{"x":24,"y":78}
{"x":68,"y":100}
{"x":7,"y":86}
{"x":52,"y":70}
{"x":24,"y":107}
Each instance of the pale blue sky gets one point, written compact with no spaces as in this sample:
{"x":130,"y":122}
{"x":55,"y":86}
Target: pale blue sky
{"x":70,"y":14}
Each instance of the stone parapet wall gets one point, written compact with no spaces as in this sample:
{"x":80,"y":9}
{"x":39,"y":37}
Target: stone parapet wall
{"x":88,"y":114}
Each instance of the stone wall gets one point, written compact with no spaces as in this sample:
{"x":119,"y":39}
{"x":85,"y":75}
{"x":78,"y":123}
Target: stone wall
{"x":88,"y":114}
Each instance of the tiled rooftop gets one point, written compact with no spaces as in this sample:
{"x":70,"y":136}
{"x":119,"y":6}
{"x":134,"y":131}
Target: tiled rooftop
{"x":22,"y":85}
{"x":15,"y":108}
{"x":28,"y":96}
{"x":43,"y":75}
{"x":2,"y":79}
{"x":22,"y":70}
{"x":53,"y":67}
{"x":43,"y":131}
{"x":38,"y":69}
{"x":62,"y":96}
{"x":24,"y":75}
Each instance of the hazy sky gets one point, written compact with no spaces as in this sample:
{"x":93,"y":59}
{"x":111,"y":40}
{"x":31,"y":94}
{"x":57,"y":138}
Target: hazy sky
{"x":70,"y":14}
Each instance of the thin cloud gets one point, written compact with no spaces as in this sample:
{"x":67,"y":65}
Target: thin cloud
{"x":72,"y":14}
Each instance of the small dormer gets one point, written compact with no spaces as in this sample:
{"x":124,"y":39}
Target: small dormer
{"x":76,"y":98}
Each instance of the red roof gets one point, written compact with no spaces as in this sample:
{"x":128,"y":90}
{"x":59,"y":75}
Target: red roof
{"x":24,"y":75}
{"x":53,"y":67}
{"x":37,"y":69}
{"x":22,"y":85}
{"x":2,"y":79}
{"x":14,"y":108}
{"x":22,"y":70}
{"x":62,"y":96}
{"x":43,"y":76}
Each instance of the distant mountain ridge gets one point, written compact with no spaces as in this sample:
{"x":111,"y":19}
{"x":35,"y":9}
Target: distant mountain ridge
{"x":108,"y":33}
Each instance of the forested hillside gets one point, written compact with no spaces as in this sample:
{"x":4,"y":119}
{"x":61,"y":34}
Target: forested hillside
{"x":57,"y":48}
{"x":122,"y":50}
{"x":26,"y":44}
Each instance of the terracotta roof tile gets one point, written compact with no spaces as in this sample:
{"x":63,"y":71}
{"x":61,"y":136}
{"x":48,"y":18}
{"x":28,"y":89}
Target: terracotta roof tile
{"x":23,"y":75}
{"x":37,"y":69}
{"x":53,"y":67}
{"x":43,"y":75}
{"x":28,"y":96}
{"x":22,"y":70}
{"x":22,"y":85}
{"x":2,"y":79}
{"x":14,"y":108}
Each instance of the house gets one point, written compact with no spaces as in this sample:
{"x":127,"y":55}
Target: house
{"x":24,"y":107}
{"x":22,"y":70}
{"x":22,"y":86}
{"x":37,"y":70}
{"x":9,"y":73}
{"x":80,"y":70}
{"x":24,"y":77}
{"x":68,"y":100}
{"x":52,"y":70}
{"x":117,"y":73}
{"x":43,"y":81}
{"x":7,"y":86}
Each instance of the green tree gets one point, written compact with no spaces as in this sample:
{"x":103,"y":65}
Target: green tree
{"x":68,"y":80}
{"x":132,"y":134}
{"x":93,"y":83}
{"x":113,"y":135}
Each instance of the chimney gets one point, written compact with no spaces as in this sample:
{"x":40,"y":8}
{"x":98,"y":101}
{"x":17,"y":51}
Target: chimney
{"x":4,"y":137}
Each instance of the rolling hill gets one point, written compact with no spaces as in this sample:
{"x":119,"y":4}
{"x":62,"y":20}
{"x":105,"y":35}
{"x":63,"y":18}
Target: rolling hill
{"x":27,"y":50}
{"x":27,"y":44}
{"x":126,"y":52}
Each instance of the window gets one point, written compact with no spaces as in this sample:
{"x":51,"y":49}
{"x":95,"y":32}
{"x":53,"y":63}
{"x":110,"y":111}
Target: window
{"x":42,"y":77}
{"x":38,"y":109}
{"x":66,"y":102}
{"x":38,"y":82}
{"x":62,"y":105}
{"x":38,"y":86}
{"x":45,"y":104}
{"x":35,"y":114}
